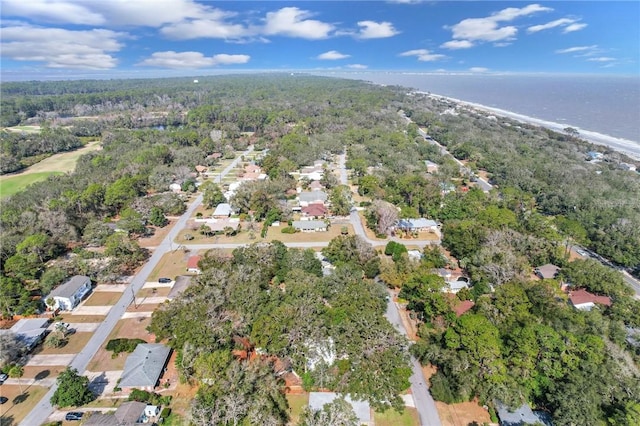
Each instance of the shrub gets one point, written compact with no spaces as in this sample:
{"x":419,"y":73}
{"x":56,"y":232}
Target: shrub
{"x":441,"y":389}
{"x":288,"y":230}
{"x":123,"y":345}
{"x":166,"y":411}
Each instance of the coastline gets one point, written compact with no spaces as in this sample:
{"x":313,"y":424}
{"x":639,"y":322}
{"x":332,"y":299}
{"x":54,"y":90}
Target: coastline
{"x":624,"y":146}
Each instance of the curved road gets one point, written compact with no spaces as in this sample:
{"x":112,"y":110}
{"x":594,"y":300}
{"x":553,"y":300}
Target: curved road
{"x":41,"y":412}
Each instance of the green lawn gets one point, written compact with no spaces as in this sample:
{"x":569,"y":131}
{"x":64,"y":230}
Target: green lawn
{"x":13,"y":184}
{"x":391,"y":417}
{"x":297,"y":403}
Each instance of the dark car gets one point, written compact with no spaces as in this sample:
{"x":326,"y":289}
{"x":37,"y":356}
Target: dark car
{"x":3,"y":377}
{"x":164,"y":280}
{"x":3,"y":399}
{"x":73,"y":415}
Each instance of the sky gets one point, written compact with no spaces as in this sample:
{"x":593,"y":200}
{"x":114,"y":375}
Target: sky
{"x":139,"y":38}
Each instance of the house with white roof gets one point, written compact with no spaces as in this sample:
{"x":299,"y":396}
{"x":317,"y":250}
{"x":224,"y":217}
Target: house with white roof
{"x":67,"y":296}
{"x":317,"y":400}
{"x":310,"y":197}
{"x":222,"y":210}
{"x":310,"y":225}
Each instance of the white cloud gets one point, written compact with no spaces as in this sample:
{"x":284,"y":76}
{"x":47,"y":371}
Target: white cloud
{"x":406,"y":1}
{"x":371,"y":29}
{"x":574,"y":27}
{"x":488,"y":29}
{"x":578,"y":49}
{"x":601,"y":59}
{"x":61,"y":48}
{"x":332,"y":55}
{"x":549,"y":25}
{"x":205,"y":28}
{"x":478,"y":69}
{"x":423,"y":55}
{"x":293,"y":22}
{"x":181,"y":60}
{"x":357,"y":66}
{"x":457,"y":44}
{"x":153,"y":13}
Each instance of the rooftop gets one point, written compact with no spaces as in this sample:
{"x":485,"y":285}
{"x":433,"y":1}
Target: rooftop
{"x":144,"y":366}
{"x":70,"y":287}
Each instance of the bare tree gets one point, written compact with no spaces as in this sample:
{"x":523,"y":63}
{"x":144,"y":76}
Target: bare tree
{"x":387,"y":215}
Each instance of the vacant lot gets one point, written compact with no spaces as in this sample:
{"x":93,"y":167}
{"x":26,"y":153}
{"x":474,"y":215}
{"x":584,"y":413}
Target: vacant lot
{"x":297,"y":403}
{"x":171,"y":265}
{"x":40,"y":372}
{"x":131,"y":328}
{"x":76,"y":343}
{"x":154,"y":292}
{"x":103,"y":298}
{"x":409,"y":417}
{"x":158,"y":235}
{"x":20,"y":403}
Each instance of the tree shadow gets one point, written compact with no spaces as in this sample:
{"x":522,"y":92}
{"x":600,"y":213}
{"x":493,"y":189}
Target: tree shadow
{"x":21,"y":398}
{"x":7,"y":420}
{"x":99,"y":384}
{"x":42,"y":374}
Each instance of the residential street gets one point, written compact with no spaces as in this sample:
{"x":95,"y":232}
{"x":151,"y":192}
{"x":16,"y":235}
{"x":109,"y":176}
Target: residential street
{"x":42,"y":411}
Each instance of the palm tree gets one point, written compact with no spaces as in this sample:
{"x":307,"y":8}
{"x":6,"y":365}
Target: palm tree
{"x":16,"y":372}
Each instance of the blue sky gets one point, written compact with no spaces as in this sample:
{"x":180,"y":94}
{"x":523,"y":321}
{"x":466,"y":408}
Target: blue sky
{"x":185,"y":37}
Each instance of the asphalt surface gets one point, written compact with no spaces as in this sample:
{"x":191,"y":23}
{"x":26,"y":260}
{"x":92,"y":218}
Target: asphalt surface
{"x":43,"y":410}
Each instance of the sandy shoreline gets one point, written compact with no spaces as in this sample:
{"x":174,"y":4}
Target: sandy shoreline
{"x":625,"y":146}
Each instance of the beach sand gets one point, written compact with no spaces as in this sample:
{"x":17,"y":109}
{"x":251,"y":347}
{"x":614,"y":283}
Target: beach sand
{"x":625,"y":146}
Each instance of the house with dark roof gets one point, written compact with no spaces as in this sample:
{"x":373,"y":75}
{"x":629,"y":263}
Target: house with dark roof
{"x":129,"y":413}
{"x":547,"y":272}
{"x":316,"y":211}
{"x":144,"y":366}
{"x":521,"y":416}
{"x":583,"y":300}
{"x":67,"y":296}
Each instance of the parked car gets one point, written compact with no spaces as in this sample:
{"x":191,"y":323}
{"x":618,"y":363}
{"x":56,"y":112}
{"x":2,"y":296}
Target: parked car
{"x":73,"y":415}
{"x":3,"y":399}
{"x":164,"y":280}
{"x":3,"y":377}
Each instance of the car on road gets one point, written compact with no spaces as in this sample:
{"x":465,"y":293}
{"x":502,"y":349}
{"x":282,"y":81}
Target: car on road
{"x":73,"y":415}
{"x":164,"y":280}
{"x":3,"y":377}
{"x":3,"y":399}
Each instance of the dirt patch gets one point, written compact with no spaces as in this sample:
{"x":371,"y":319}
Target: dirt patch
{"x":20,"y":403}
{"x":182,"y":397}
{"x":40,"y":372}
{"x":127,"y":328}
{"x":171,"y":265}
{"x":103,"y":298}
{"x":68,"y":317}
{"x":154,"y":292}
{"x":462,"y":414}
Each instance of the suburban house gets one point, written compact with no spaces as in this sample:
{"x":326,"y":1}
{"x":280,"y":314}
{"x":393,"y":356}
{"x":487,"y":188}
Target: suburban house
{"x":192,"y":264}
{"x":67,"y":296}
{"x":311,"y":173}
{"x":310,"y":225}
{"x":415,"y":255}
{"x":463,"y":306}
{"x":222,"y":210}
{"x":547,"y":272}
{"x":29,"y":331}
{"x":521,"y":416}
{"x":312,"y":197}
{"x":583,"y":300}
{"x":628,"y":167}
{"x":175,"y":187}
{"x":144,"y":366}
{"x":129,"y":413}
{"x":431,"y":166}
{"x":219,"y":225}
{"x":418,"y":225}
{"x":317,"y":400}
{"x":316,"y":211}
{"x":316,"y":186}
{"x":457,"y":285}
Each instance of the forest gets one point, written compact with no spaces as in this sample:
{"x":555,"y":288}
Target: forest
{"x":521,"y":342}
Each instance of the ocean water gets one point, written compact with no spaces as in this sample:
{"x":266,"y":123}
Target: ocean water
{"x":608,"y":105}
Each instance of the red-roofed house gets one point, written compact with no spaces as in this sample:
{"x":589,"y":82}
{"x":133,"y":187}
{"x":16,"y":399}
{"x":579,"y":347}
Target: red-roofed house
{"x":316,"y":211}
{"x":252,"y":168}
{"x":463,"y":306}
{"x":192,"y":264}
{"x":584,"y":301}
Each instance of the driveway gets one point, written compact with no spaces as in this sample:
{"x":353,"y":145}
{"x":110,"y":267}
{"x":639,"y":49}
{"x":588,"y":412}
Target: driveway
{"x":44,"y":360}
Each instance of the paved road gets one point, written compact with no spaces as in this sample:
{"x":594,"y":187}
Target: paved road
{"x":41,"y":412}
{"x":424,"y":403}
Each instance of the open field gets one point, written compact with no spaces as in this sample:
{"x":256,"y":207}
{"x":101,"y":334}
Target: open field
{"x":409,"y":417}
{"x":25,"y":129}
{"x":56,"y":164}
{"x":154,"y":292}
{"x":127,"y":328}
{"x":20,"y":403}
{"x":158,"y":235}
{"x":68,"y":317}
{"x":12,"y":184}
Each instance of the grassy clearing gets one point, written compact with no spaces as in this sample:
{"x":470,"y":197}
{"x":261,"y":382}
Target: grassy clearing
{"x":13,"y":184}
{"x":171,"y":265}
{"x":76,"y":343}
{"x":297,"y":403}
{"x":409,"y":417}
{"x":103,"y":298}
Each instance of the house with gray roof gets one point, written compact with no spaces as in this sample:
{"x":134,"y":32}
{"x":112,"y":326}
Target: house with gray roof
{"x":67,"y":296}
{"x":418,"y":225}
{"x":222,"y":211}
{"x":317,"y":400}
{"x":29,"y":331}
{"x":521,"y":416}
{"x":144,"y":366}
{"x":309,"y":197}
{"x":310,"y":225}
{"x":128,"y":414}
